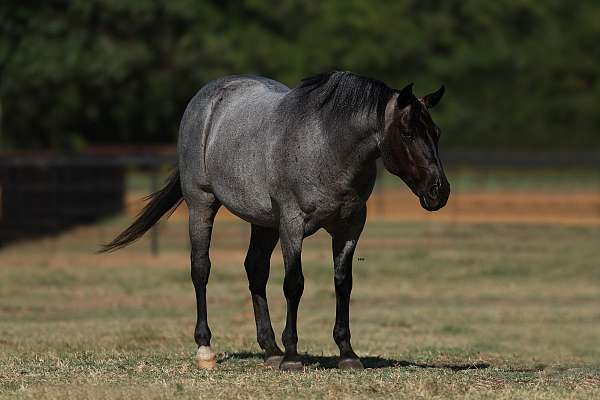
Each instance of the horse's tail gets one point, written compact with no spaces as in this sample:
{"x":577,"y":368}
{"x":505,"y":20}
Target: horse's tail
{"x":165,"y":200}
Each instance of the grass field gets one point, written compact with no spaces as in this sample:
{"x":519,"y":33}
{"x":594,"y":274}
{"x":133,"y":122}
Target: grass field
{"x":439,"y":310}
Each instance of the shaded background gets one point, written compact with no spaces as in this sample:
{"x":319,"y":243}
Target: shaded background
{"x":496,"y":295}
{"x":91,"y":91}
{"x":519,"y":73}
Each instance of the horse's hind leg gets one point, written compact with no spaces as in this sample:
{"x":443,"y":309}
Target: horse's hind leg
{"x":203,"y":208}
{"x":257,"y":264}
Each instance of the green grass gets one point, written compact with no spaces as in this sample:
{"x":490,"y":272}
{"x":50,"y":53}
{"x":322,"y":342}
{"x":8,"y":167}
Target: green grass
{"x":438,"y":311}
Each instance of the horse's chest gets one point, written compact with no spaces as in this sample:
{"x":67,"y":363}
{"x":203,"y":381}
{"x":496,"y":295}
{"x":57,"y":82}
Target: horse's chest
{"x":335,"y":199}
{"x":324,"y":208}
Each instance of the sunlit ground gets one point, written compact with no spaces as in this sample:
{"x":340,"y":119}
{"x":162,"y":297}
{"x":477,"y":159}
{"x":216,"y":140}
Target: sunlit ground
{"x":447,"y":309}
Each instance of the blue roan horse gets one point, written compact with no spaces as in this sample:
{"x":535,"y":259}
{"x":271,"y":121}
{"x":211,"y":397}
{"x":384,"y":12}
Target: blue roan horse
{"x":292,"y":161}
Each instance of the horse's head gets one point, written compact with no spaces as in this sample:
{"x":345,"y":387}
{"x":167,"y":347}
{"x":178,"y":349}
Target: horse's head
{"x":409,"y":147}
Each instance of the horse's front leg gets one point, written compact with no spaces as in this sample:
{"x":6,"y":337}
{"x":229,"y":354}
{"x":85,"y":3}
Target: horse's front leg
{"x":291,"y":233}
{"x":345,"y":235}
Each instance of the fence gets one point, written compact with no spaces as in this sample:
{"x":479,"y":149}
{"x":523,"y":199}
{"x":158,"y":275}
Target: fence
{"x":43,"y":195}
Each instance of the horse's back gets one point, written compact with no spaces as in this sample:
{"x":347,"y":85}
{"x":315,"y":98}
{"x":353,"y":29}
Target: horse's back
{"x":223,"y":137}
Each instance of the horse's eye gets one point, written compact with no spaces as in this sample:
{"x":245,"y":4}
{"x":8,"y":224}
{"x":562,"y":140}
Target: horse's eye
{"x":408,"y":136}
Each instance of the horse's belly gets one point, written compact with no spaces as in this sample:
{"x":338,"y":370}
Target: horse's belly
{"x":238,"y":180}
{"x":249,"y":205}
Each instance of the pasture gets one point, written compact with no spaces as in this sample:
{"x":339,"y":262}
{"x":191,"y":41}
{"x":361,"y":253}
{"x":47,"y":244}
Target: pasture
{"x":456,"y":305}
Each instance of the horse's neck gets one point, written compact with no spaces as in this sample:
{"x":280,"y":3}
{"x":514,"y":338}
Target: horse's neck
{"x":355,"y":138}
{"x":355,"y":147}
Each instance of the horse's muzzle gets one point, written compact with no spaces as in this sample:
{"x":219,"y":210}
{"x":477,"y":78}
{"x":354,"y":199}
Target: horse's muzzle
{"x":436,"y":197}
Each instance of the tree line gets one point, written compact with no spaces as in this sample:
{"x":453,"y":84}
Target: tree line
{"x":518,"y":73}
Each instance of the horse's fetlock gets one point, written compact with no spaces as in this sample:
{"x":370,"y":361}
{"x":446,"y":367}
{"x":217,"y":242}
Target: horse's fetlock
{"x":341,"y":335}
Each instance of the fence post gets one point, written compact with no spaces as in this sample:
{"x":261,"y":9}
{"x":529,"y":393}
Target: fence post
{"x":154,"y":233}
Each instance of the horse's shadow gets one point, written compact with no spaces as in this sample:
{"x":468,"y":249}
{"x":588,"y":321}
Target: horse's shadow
{"x":330,"y":362}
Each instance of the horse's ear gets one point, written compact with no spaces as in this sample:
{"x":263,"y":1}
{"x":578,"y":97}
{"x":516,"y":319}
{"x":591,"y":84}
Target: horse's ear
{"x":405,"y":97}
{"x":432,"y":99}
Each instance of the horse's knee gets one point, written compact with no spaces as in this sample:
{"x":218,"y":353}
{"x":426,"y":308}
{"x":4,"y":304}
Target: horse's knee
{"x":343,"y":292}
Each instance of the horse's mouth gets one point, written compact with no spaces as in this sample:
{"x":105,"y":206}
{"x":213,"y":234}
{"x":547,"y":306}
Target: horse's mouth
{"x":433,"y":203}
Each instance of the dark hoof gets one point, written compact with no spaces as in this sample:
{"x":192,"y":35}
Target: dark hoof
{"x":273,"y":361}
{"x":291,"y":365}
{"x":350,"y":363}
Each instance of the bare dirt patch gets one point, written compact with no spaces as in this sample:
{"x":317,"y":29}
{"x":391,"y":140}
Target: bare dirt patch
{"x":394,"y":204}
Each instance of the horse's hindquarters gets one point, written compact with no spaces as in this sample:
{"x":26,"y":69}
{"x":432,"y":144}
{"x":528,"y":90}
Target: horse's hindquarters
{"x":237,"y":158}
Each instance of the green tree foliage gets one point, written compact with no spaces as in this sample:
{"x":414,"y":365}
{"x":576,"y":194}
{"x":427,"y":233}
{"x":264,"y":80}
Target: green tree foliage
{"x":518,"y":72}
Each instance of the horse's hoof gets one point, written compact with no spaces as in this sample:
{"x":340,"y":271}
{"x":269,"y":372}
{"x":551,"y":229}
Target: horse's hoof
{"x":207,"y":364}
{"x":205,"y":358}
{"x":273,"y":361}
{"x":291,"y":365}
{"x":350,"y":363}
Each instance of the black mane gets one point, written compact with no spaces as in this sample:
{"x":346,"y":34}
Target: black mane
{"x":345,"y":94}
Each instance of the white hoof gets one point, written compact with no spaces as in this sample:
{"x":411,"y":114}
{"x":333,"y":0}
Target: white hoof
{"x":205,"y":358}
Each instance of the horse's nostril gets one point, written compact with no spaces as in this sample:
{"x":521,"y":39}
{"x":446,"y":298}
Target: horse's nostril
{"x":434,"y":191}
